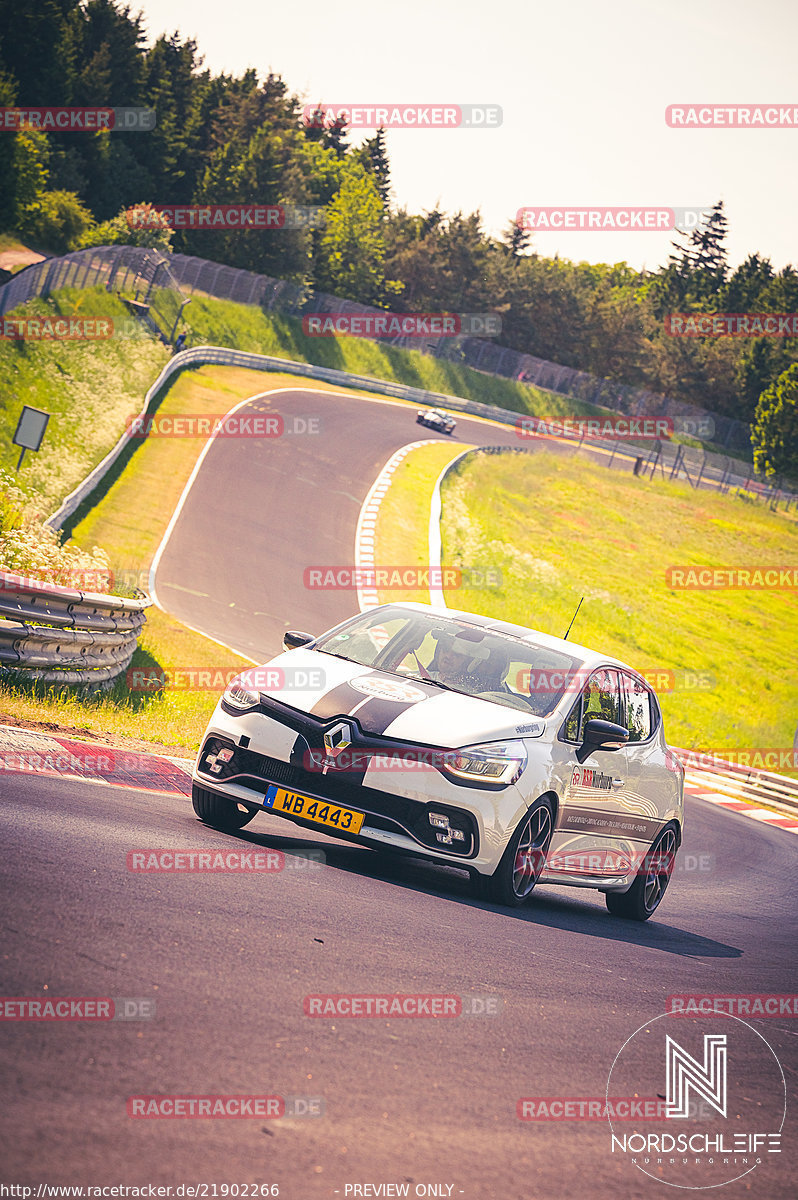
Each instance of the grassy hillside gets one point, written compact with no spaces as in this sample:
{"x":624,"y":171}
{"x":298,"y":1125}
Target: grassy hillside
{"x":89,"y":388}
{"x":561,"y":528}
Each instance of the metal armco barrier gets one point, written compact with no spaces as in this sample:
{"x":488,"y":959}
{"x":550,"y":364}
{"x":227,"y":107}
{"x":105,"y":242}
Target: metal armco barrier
{"x":58,"y":635}
{"x":164,"y":281}
{"x":750,"y":783}
{"x":223,"y":356}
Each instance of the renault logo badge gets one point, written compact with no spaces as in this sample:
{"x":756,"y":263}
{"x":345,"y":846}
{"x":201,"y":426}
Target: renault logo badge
{"x":338,"y":738}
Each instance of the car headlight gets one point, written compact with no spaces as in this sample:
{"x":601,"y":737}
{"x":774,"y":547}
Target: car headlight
{"x":496,"y":763}
{"x":240,"y":697}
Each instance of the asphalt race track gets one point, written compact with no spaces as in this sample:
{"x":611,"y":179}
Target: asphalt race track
{"x":228,"y":958}
{"x":261,"y":511}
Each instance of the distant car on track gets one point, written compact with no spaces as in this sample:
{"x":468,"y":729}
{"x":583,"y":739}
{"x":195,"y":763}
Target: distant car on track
{"x":520,"y":757}
{"x":433,"y":418}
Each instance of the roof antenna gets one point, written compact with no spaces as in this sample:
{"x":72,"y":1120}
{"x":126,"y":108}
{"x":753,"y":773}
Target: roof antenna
{"x":573,"y":618}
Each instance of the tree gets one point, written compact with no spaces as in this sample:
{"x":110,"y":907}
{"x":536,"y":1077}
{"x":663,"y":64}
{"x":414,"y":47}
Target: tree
{"x":700,"y":265}
{"x":34,"y":49}
{"x":8,"y":170}
{"x":336,"y":136}
{"x":352,"y":246}
{"x":516,"y":240}
{"x":373,"y":154}
{"x":55,"y":220}
{"x":30,"y":157}
{"x":774,"y":434}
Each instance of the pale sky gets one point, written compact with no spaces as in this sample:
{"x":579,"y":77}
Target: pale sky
{"x":583,"y":86}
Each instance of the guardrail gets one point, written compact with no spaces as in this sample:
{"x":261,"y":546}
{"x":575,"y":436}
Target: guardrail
{"x":749,"y":783}
{"x":160,"y":280}
{"x":56,"y":634}
{"x":224,"y":356}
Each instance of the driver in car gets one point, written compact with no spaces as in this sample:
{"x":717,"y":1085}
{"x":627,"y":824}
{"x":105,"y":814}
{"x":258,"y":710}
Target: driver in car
{"x":456,"y":662}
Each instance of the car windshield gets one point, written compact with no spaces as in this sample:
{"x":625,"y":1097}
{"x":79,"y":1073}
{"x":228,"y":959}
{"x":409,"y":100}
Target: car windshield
{"x":454,"y":654}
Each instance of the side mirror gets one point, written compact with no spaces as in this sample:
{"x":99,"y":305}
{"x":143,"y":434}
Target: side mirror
{"x":601,"y":735}
{"x":292,"y":640}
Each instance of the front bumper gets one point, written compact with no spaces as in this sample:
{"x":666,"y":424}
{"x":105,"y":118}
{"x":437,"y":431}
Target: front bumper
{"x":396,"y":803}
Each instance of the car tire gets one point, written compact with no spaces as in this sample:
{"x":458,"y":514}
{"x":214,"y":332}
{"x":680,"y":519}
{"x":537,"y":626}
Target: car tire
{"x":644,"y":896}
{"x":220,"y":812}
{"x":513,"y":882}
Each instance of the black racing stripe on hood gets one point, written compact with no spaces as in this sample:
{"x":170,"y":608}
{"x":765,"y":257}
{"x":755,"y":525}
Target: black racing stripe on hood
{"x":376,"y":714}
{"x":338,"y":702}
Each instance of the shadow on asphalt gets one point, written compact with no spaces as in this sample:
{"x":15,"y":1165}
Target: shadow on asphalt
{"x":548,"y":909}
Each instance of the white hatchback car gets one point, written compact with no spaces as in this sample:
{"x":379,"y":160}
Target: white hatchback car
{"x":520,"y":757}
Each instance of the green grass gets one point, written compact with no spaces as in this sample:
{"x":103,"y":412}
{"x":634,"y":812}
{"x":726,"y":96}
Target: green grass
{"x":89,"y":389}
{"x":129,"y":520}
{"x":401,"y":534}
{"x":561,"y":528}
{"x":11,"y":241}
{"x":557,"y":529}
{"x":224,"y":323}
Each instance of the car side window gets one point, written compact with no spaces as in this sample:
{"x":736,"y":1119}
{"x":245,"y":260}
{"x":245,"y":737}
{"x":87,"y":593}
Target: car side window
{"x":637,"y":704}
{"x":600,"y":698}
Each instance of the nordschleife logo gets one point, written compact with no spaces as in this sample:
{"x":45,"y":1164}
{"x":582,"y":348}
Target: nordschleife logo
{"x":725,"y":1102}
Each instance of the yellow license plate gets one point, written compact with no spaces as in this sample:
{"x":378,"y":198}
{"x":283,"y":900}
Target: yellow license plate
{"x":321,"y":812}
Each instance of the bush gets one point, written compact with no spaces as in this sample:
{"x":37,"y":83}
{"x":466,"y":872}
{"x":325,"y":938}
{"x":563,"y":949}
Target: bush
{"x":56,"y":220}
{"x":140,"y":225}
{"x":13,"y":502}
{"x":774,"y":433}
{"x":29,"y":548}
{"x":35,"y":551}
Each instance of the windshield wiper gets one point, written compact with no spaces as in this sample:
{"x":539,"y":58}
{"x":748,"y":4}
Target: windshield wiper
{"x":345,"y":657}
{"x":435,"y":683}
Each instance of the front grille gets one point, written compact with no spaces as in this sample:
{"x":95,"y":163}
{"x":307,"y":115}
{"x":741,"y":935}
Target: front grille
{"x":385,"y":810}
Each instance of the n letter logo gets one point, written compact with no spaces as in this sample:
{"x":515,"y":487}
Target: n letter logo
{"x":683,"y":1072}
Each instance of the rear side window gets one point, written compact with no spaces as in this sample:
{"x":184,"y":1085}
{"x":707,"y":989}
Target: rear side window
{"x":638,"y":707}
